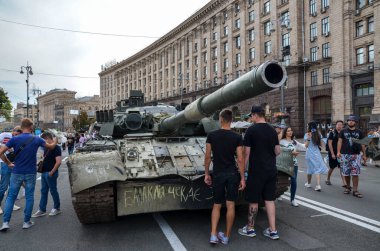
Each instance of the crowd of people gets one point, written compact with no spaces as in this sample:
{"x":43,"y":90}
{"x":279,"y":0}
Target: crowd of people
{"x":255,"y":154}
{"x":18,"y":154}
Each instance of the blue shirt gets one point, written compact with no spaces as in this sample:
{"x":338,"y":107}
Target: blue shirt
{"x":26,"y":160}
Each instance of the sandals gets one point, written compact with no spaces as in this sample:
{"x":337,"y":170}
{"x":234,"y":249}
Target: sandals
{"x":357,"y":194}
{"x":347,"y":190}
{"x":328,"y":182}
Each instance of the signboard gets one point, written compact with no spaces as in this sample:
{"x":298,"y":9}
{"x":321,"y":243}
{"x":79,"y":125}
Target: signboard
{"x":74,"y":112}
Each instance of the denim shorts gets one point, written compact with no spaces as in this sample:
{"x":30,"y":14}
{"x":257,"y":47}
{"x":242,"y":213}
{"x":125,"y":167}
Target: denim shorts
{"x":225,"y":187}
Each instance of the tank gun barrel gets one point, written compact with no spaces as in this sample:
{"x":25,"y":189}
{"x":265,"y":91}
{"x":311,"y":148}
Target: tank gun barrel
{"x":261,"y":79}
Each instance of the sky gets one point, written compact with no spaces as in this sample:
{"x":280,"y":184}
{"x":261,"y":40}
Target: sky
{"x":77,"y":54}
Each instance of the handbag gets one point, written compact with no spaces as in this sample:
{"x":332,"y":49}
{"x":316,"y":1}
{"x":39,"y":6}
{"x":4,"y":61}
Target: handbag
{"x":12,"y":155}
{"x":40,"y":164}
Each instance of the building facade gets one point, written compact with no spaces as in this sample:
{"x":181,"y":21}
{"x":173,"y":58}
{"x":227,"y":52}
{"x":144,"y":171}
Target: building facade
{"x":329,"y":49}
{"x":21,"y":112}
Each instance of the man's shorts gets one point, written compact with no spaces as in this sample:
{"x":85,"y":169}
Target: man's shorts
{"x":351,"y":164}
{"x":333,"y":162}
{"x":225,"y":187}
{"x":261,"y":187}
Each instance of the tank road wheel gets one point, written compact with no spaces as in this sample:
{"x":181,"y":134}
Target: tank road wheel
{"x":283,"y":183}
{"x":96,"y":204}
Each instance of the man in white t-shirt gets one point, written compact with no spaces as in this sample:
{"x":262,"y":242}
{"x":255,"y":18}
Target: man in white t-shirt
{"x":5,"y":170}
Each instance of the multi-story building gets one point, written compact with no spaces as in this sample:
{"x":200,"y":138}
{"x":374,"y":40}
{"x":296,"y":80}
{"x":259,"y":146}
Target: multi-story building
{"x":21,"y":112}
{"x":59,"y":107}
{"x":329,"y":48}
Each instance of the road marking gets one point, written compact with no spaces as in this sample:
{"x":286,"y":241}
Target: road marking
{"x":64,"y":159}
{"x":169,"y":233}
{"x":337,"y":215}
{"x":318,"y":215}
{"x":338,"y":210}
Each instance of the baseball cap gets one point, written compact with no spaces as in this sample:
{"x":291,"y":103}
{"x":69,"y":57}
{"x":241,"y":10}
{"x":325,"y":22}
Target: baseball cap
{"x":353,"y":118}
{"x":257,"y":109}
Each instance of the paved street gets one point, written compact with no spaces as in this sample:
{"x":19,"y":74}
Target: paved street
{"x":328,"y":220}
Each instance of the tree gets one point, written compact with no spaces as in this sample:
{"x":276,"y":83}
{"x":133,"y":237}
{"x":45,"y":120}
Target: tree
{"x":5,"y":105}
{"x":82,"y":121}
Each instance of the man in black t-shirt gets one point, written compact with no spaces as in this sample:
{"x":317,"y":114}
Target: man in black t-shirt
{"x":261,"y":148}
{"x":331,"y":148}
{"x":224,"y":145}
{"x":70,"y":143}
{"x":349,"y":152}
{"x":52,"y":161}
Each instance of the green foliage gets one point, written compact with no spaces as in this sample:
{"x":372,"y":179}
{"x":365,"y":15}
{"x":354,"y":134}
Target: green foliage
{"x":5,"y":105}
{"x":82,"y":121}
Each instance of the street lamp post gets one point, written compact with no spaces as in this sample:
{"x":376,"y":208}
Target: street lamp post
{"x":28,"y":69}
{"x":37,"y":91}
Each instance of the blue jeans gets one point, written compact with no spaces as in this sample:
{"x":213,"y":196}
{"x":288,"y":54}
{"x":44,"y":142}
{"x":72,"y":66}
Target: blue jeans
{"x":15,"y":184}
{"x":70,"y":149}
{"x":47,"y":183}
{"x":293,"y":184}
{"x":5,"y":179}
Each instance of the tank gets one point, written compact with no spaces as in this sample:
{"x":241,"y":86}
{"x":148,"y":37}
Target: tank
{"x":150,"y":158}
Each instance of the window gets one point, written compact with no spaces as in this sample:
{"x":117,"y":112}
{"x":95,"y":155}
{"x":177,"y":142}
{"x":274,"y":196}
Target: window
{"x":313,"y":7}
{"x":205,"y":71}
{"x":251,"y":54}
{"x":238,"y":58}
{"x":325,"y":26}
{"x":313,"y":54}
{"x":251,"y":16}
{"x":215,"y":52}
{"x":326,"y":50}
{"x":360,"y":4}
{"x":313,"y":31}
{"x":225,"y":31}
{"x":314,"y":78}
{"x":371,"y":53}
{"x":237,"y":8}
{"x":370,"y":2}
{"x":205,"y":42}
{"x":325,"y":4}
{"x":359,"y":56}
{"x":326,"y":75}
{"x":250,"y":2}
{"x":237,"y":42}
{"x":237,"y":74}
{"x":267,"y":27}
{"x":359,"y":28}
{"x":237,"y":23}
{"x":215,"y":36}
{"x":267,"y":7}
{"x":196,"y":61}
{"x":225,"y":47}
{"x":205,"y":57}
{"x":195,"y":47}
{"x":286,"y":60}
{"x":370,"y":24}
{"x":251,"y":35}
{"x":225,"y":15}
{"x":215,"y":67}
{"x":364,"y":90}
{"x":226,"y":79}
{"x":225,"y":63}
{"x":268,"y":47}
{"x":285,"y":39}
{"x":196,"y":74}
{"x":285,"y":20}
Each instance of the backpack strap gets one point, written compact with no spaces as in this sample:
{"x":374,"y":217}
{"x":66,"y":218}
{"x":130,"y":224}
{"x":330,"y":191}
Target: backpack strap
{"x":24,"y":145}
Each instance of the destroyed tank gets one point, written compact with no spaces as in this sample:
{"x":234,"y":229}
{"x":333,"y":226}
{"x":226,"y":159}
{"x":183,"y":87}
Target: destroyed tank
{"x":151,"y":158}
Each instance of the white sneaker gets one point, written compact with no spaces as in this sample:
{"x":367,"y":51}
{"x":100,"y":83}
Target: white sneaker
{"x":317,"y":188}
{"x":54,"y":212}
{"x":1,"y":211}
{"x":308,"y":185}
{"x":38,"y":214}
{"x":5,"y":227}
{"x":15,"y":208}
{"x":27,"y":225}
{"x":294,"y":203}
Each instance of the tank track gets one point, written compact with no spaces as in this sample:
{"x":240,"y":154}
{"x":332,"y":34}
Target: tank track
{"x":95,"y":204}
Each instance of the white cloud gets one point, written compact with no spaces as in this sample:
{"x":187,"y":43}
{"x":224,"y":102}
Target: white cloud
{"x":66,"y":53}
